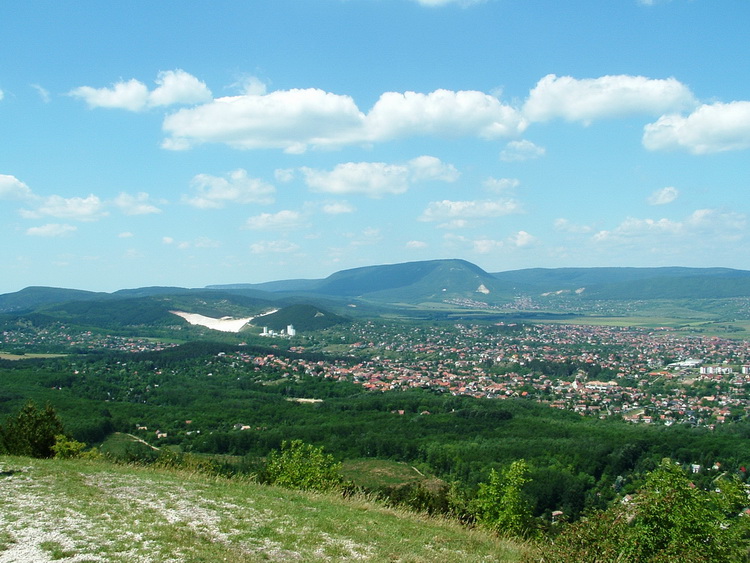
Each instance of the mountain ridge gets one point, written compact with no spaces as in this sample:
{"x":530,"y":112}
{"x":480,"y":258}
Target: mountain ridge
{"x":429,"y":286}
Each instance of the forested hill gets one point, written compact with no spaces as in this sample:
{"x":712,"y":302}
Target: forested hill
{"x":407,"y":282}
{"x":454,"y":287}
{"x":413,"y":282}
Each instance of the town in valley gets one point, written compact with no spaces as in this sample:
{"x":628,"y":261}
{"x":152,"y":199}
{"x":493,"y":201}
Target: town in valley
{"x":647,"y":376}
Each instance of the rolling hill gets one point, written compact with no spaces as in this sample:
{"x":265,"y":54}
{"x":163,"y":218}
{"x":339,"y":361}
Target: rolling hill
{"x":150,"y":309}
{"x":438,"y":280}
{"x":427,"y":289}
{"x":409,"y":282}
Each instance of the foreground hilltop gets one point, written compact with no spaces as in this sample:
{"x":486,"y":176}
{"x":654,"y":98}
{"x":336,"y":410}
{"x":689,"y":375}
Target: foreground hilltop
{"x":96,"y":511}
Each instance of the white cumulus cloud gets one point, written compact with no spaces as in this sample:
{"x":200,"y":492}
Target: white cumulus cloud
{"x":663,"y":196}
{"x":138,"y":204}
{"x":703,"y":225}
{"x":607,"y":96}
{"x":297,"y":119}
{"x":522,"y":238}
{"x":13,"y":188}
{"x":462,"y":210}
{"x":173,"y":87}
{"x":178,"y":87}
{"x":499,"y":185}
{"x":131,"y":95}
{"x":286,"y":119}
{"x":284,"y":175}
{"x":442,"y":113}
{"x":710,"y":128}
{"x":214,"y":192}
{"x":281,"y":221}
{"x":88,"y":208}
{"x":430,"y":168}
{"x":517,"y":151}
{"x":376,"y":179}
{"x":486,"y":245}
{"x":566,"y":226}
{"x":338,"y":207}
{"x":712,"y":232}
{"x":730,"y":222}
{"x":634,"y":227}
{"x":51,"y":230}
{"x":373,"y":179}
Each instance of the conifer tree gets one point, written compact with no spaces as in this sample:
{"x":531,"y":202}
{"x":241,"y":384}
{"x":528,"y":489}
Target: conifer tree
{"x":32,"y":431}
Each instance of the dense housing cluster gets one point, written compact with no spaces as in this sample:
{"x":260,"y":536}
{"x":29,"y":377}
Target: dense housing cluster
{"x":647,"y":376}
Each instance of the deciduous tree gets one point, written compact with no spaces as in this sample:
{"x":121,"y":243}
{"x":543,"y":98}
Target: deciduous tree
{"x":502,"y":505}
{"x":669,"y":519}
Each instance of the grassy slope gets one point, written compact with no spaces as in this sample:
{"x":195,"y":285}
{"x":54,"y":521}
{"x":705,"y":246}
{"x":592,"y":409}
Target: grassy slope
{"x":94,"y":511}
{"x":375,"y":473}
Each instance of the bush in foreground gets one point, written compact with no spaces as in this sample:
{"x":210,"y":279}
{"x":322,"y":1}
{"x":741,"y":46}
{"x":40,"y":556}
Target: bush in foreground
{"x":302,"y":466}
{"x":668,"y":520}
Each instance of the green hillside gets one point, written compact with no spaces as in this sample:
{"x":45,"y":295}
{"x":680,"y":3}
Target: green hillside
{"x":149,"y":309}
{"x":448,"y":289}
{"x":448,"y":284}
{"x":415,"y":284}
{"x":374,"y":279}
{"x":404,"y":282}
{"x":32,"y":297}
{"x":303,"y":317}
{"x":96,"y":511}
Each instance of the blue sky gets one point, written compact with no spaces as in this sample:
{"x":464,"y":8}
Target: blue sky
{"x":194,"y":143}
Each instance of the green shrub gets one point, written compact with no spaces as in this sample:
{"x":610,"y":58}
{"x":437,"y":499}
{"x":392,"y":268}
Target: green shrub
{"x":67,"y":448}
{"x":302,"y":466}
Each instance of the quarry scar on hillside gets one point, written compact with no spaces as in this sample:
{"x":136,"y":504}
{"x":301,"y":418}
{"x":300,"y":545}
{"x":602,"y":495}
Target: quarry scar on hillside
{"x":224,"y":324}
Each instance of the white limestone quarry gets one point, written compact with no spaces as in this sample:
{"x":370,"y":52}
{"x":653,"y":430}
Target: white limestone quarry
{"x":224,"y":324}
